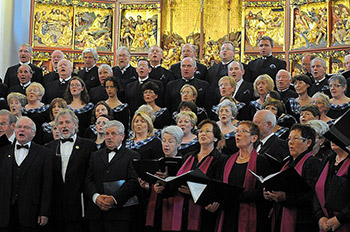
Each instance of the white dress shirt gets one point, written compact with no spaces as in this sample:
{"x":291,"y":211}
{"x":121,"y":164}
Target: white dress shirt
{"x":21,"y":154}
{"x":66,"y":151}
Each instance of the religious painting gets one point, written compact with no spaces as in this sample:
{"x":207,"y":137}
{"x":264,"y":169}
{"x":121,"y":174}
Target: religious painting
{"x":341,"y":23}
{"x":139,"y":27}
{"x":52,"y":26}
{"x":94,"y":28}
{"x":309,"y":26}
{"x":262,"y":21}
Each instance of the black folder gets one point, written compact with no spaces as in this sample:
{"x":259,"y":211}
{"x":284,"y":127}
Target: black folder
{"x":339,"y":133}
{"x":276,"y":163}
{"x":172,"y":183}
{"x":154,"y":165}
{"x":288,"y":180}
{"x":214,"y":191}
{"x":110,"y":188}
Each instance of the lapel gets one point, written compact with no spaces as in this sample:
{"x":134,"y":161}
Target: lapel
{"x":117,"y":156}
{"x":32,"y":154}
{"x":58,"y":159}
{"x":74,"y":156}
{"x":241,"y":89}
{"x":104,"y":156}
{"x":267,"y":145}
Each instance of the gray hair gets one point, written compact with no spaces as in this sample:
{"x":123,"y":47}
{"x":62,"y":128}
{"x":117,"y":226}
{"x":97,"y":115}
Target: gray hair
{"x":70,"y":113}
{"x":27,"y":66}
{"x":107,"y":67}
{"x":324,"y":98}
{"x":283,"y":70}
{"x":25,"y":117}
{"x":239,"y":63}
{"x":155,"y":46}
{"x":147,"y":110}
{"x":191,"y":45}
{"x":268,"y":117}
{"x":70,"y":65}
{"x":339,"y":77}
{"x":231,"y":105}
{"x":174,"y":131}
{"x":58,"y":51}
{"x":123,"y":48}
{"x":12,"y":118}
{"x":323,"y":62}
{"x":116,"y":123}
{"x":321,"y":127}
{"x":28,"y":46}
{"x":192,"y":60}
{"x":18,"y":96}
{"x":93,"y":51}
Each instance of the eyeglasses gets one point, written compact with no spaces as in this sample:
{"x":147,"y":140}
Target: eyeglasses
{"x":148,"y":92}
{"x":242,"y":131}
{"x":296,"y":138}
{"x":75,"y":85}
{"x":186,"y":93}
{"x":335,"y":85}
{"x":204,"y":131}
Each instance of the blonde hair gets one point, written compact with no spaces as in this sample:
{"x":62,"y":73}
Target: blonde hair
{"x":194,"y":90}
{"x":36,"y":85}
{"x":148,"y":121}
{"x":192,"y":116}
{"x":230,"y":79}
{"x":264,"y":77}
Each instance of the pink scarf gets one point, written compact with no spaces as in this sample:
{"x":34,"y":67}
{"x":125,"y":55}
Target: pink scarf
{"x":320,"y":189}
{"x":247,"y":211}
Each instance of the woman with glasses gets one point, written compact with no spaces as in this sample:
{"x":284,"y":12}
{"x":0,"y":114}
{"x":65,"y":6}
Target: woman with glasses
{"x":250,"y":206}
{"x":293,"y":210}
{"x":322,"y":102}
{"x":340,"y":103}
{"x":150,"y":91}
{"x":331,"y":204}
{"x":77,"y":98}
{"x":179,"y":213}
{"x":120,"y":110}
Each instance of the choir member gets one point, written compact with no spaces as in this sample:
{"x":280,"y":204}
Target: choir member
{"x":16,"y":103}
{"x":340,"y":103}
{"x":187,"y":121}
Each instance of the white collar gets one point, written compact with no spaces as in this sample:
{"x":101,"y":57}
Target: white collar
{"x":158,"y":65}
{"x":125,"y":68}
{"x":88,"y":69}
{"x":29,"y":143}
{"x":65,"y":80}
{"x":25,"y":63}
{"x":263,"y":141}
{"x":143,"y":80}
{"x":26,"y":84}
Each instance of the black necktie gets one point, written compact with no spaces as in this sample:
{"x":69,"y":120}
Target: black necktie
{"x":67,"y":140}
{"x":22,"y":146}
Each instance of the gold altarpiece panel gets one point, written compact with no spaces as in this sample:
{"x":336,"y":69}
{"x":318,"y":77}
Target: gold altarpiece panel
{"x":340,"y":23}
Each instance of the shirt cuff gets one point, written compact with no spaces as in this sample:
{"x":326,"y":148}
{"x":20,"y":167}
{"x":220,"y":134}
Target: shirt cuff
{"x":94,"y":197}
{"x":114,"y":200}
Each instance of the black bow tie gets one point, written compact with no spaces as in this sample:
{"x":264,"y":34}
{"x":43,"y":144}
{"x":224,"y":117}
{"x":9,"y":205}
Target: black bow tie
{"x":63,"y":83}
{"x":109,"y":151}
{"x":67,"y":140}
{"x":22,"y":146}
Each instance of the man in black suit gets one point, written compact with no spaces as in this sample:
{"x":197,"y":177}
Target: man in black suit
{"x":70,"y":165}
{"x":108,"y":167}
{"x":172,"y":96}
{"x":283,"y":81}
{"x":7,"y":124}
{"x":89,"y":74}
{"x":189,"y":50}
{"x":24,"y":55}
{"x":270,"y":144}
{"x":227,"y":54}
{"x":58,"y":87}
{"x":244,"y":90}
{"x":267,"y":64}
{"x":124,"y":72}
{"x":306,"y":65}
{"x":133,"y":92}
{"x":155,"y":55}
{"x":318,"y":71}
{"x":99,"y":93}
{"x":24,"y":75}
{"x":56,"y":56}
{"x":26,"y":181}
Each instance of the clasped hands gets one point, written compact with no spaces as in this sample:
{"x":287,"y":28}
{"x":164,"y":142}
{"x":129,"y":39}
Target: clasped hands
{"x":276,"y":196}
{"x":329,"y":224}
{"x":105,"y":202}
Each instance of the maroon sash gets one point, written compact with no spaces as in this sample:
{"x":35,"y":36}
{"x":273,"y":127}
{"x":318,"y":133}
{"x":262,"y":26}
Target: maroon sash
{"x":320,"y":189}
{"x":173,"y":206}
{"x":151,"y":208}
{"x":247,"y":211}
{"x":289,"y":216}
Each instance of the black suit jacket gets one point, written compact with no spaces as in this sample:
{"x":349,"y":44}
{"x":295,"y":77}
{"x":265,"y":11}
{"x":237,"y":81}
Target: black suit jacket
{"x":320,"y":87}
{"x":18,"y":88}
{"x":100,"y":171}
{"x":3,"y":90}
{"x":245,"y":93}
{"x":50,"y":77}
{"x":134,"y":96}
{"x":11,"y":78}
{"x":90,"y":78}
{"x":285,"y":95}
{"x":66,"y":202}
{"x":97,"y":94}
{"x":201,"y":72}
{"x":55,"y":89}
{"x":161,"y":74}
{"x":215,"y":73}
{"x":260,"y":66}
{"x":35,"y":188}
{"x":127,"y":77}
{"x":173,"y":98}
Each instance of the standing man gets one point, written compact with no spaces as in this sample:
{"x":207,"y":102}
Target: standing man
{"x":7,"y":125}
{"x":70,"y":165}
{"x":56,"y":56}
{"x":26,"y":181}
{"x":306,"y":65}
{"x":318,"y":71}
{"x":24,"y":54}
{"x":89,"y":74}
{"x":109,"y":167}
{"x":133,"y":92}
{"x":172,"y":95}
{"x":270,"y":144}
{"x":189,"y":50}
{"x":58,"y":87}
{"x":155,"y":56}
{"x":227,"y":54}
{"x":24,"y":75}
{"x":124,"y":72}
{"x":266,"y":64}
{"x":283,"y":81}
